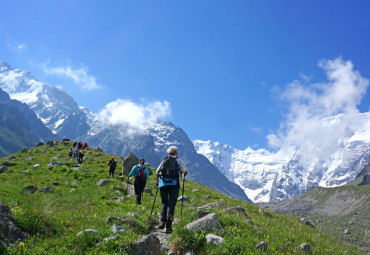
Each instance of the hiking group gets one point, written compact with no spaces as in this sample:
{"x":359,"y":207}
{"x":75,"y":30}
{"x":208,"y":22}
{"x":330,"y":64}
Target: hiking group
{"x":77,"y":152}
{"x":168,"y":176}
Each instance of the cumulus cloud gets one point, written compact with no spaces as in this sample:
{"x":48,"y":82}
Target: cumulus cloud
{"x":134,"y":116}
{"x":321,"y":115}
{"x":80,"y":76}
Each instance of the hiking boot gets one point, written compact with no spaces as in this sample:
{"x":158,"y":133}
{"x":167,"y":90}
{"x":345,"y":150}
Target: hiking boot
{"x":162,"y":225}
{"x":169,"y":229}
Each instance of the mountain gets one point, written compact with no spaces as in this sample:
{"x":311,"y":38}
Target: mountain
{"x":62,"y":115}
{"x":19,"y":126}
{"x":266,"y":176}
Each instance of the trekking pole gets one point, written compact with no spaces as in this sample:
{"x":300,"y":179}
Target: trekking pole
{"x":182,"y":200}
{"x":126,"y":191}
{"x":153,"y":203}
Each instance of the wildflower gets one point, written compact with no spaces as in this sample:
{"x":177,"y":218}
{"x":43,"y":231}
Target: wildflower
{"x":21,"y":244}
{"x":70,"y":228}
{"x":94,"y":214}
{"x":17,"y":207}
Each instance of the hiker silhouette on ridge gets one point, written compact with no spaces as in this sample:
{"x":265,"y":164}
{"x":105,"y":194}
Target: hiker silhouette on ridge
{"x":141,"y":174}
{"x":168,"y":182}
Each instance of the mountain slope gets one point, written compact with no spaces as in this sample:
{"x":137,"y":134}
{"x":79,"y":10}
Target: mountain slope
{"x":19,"y":126}
{"x":64,"y":117}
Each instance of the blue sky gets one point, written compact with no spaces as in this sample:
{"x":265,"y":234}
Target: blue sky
{"x":221,"y":65}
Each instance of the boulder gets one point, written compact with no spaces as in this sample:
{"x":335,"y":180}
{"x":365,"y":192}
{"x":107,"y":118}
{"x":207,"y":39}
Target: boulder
{"x":195,"y":190}
{"x":149,"y":191}
{"x":89,"y":231}
{"x":98,"y":149}
{"x":117,"y":189}
{"x":305,"y":248}
{"x":262,"y":245}
{"x":131,"y":214}
{"x":32,"y":188}
{"x":50,"y":143}
{"x":8,"y":227}
{"x":206,"y":223}
{"x":307,"y":222}
{"x":36,"y":166}
{"x":264,"y":213}
{"x":3,"y":168}
{"x":8,"y":163}
{"x":47,"y":189}
{"x":40,"y":144}
{"x":66,"y":140}
{"x":213,"y":239}
{"x":117,"y":229}
{"x":147,"y":245}
{"x":237,"y":209}
{"x":128,"y":163}
{"x":346,"y":231}
{"x":112,"y":219}
{"x":29,"y":159}
{"x":102,"y":182}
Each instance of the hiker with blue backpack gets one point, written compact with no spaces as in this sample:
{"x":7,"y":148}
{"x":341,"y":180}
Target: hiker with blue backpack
{"x":141,"y":174}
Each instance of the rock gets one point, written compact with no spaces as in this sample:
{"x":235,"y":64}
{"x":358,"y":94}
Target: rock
{"x":351,"y":222}
{"x":264,"y":213}
{"x":112,"y":219}
{"x":24,"y":150}
{"x":56,"y":158}
{"x":237,"y":209}
{"x":213,"y":239}
{"x":99,"y":149}
{"x":147,"y":245}
{"x":117,"y":229}
{"x":32,"y":188}
{"x":130,"y":189}
{"x":56,"y":183}
{"x":36,"y":166}
{"x":47,"y":189}
{"x":29,"y":159}
{"x":56,"y":163}
{"x":184,"y":197}
{"x":195,"y":190}
{"x":307,"y":222}
{"x":365,"y":180}
{"x":128,"y":163}
{"x":202,"y":212}
{"x":89,"y":231}
{"x":3,"y":169}
{"x":262,"y":245}
{"x":66,"y":140}
{"x":8,"y":163}
{"x":102,"y":182}
{"x":72,"y":190}
{"x":50,"y":143}
{"x":346,"y":231}
{"x":131,"y":214}
{"x":305,"y":247}
{"x":207,"y":223}
{"x":40,"y":144}
{"x":149,"y":191}
{"x":117,"y":189}
{"x":8,"y":227}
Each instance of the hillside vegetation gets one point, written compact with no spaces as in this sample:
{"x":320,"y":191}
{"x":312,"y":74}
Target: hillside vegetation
{"x":52,"y":220}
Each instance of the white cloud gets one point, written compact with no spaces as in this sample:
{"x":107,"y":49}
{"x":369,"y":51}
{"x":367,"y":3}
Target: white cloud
{"x":16,"y":46}
{"x":135,"y":116}
{"x":321,"y":115}
{"x":79,"y":76}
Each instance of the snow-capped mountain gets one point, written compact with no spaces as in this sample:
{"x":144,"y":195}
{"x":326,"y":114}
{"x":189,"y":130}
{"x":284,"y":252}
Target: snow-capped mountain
{"x":64,"y":117}
{"x":266,"y":176}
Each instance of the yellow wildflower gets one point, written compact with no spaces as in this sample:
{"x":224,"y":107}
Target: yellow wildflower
{"x":94,"y":214}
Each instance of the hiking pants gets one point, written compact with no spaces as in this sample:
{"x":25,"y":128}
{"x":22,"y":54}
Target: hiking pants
{"x":169,"y":195}
{"x":139,"y":189}
{"x":111,"y":171}
{"x":81,"y":157}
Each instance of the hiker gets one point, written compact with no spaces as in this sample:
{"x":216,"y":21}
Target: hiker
{"x":70,"y":153}
{"x":112,"y":166}
{"x":141,"y":174}
{"x":168,"y":182}
{"x":81,"y":156}
{"x":80,"y":145}
{"x":75,"y":154}
{"x":85,"y":146}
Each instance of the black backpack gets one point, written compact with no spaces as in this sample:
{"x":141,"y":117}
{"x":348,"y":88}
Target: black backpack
{"x":170,"y":168}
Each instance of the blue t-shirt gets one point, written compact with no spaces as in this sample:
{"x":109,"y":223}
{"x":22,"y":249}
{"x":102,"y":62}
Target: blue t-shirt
{"x":135,"y":171}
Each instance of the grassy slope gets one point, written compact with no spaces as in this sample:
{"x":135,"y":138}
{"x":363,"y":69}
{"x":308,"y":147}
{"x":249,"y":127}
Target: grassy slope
{"x":54,"y":219}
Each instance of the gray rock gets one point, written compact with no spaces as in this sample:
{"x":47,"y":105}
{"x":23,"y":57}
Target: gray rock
{"x":89,"y":231}
{"x":3,"y":169}
{"x":149,"y":191}
{"x":195,"y":190}
{"x":264,"y":213}
{"x":346,"y":231}
{"x":36,"y":166}
{"x":262,"y":245}
{"x":237,"y":209}
{"x":207,"y":223}
{"x":72,"y":190}
{"x":147,"y":245}
{"x":128,"y":163}
{"x":184,"y":197}
{"x":66,"y":140}
{"x":47,"y":189}
{"x":56,"y":183}
{"x":29,"y":159}
{"x":102,"y":182}
{"x":112,"y":219}
{"x":40,"y":144}
{"x":107,"y":240}
{"x":8,"y":163}
{"x":307,"y":222}
{"x":131,"y":214}
{"x":99,"y":149}
{"x":213,"y":239}
{"x":56,"y":163}
{"x":351,"y":222}
{"x":117,"y":229}
{"x":306,"y":248}
{"x":8,"y":228}
{"x":117,"y":189}
{"x":202,"y":212}
{"x":50,"y":143}
{"x":32,"y":188}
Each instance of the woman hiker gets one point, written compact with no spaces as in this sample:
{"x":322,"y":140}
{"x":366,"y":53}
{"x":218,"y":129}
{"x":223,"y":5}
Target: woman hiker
{"x":141,"y":174}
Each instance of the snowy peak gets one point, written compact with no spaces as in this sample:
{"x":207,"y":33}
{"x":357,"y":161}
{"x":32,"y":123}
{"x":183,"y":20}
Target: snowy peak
{"x":4,"y":66}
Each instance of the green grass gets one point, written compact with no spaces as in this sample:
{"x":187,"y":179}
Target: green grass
{"x":54,"y":219}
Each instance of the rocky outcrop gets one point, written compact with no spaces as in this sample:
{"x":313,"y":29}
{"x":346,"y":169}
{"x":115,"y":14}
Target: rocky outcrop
{"x":128,"y":163}
{"x":147,"y":245}
{"x":9,"y":231}
{"x":206,"y":223}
